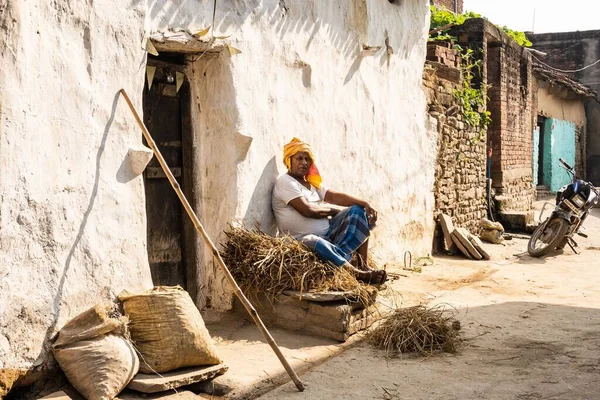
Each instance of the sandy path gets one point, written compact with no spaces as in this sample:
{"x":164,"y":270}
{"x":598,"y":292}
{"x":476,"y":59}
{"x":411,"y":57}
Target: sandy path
{"x":533,"y":330}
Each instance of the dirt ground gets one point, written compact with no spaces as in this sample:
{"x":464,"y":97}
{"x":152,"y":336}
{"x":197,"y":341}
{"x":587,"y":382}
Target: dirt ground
{"x":532,"y":330}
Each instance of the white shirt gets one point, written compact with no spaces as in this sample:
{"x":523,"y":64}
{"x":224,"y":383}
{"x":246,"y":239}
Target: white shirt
{"x":288,"y":219}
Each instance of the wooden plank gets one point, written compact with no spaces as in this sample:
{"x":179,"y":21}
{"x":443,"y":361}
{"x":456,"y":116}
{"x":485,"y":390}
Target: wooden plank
{"x":153,"y":383}
{"x":463,"y":236}
{"x":447,"y":227}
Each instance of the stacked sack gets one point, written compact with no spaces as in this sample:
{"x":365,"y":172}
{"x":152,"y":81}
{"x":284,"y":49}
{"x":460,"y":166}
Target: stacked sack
{"x":95,"y":354}
{"x":168,"y":330}
{"x":98,"y":350}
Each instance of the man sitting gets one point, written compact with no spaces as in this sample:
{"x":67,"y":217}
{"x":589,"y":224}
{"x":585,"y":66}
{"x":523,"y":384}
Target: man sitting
{"x":332,"y":234}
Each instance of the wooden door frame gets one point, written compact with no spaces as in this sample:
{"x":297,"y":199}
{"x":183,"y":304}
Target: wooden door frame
{"x":188,"y":146}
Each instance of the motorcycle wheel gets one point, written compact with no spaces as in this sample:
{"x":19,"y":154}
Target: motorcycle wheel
{"x":547,"y":237}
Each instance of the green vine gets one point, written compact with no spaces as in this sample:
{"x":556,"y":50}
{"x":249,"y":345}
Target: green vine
{"x":518,"y":37}
{"x":441,"y":18}
{"x":470,"y":98}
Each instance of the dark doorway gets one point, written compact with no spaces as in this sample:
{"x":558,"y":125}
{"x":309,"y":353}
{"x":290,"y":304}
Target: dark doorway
{"x":541,"y":121}
{"x":166,"y":115}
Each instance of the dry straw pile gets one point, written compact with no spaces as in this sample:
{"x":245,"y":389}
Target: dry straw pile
{"x":418,"y":330}
{"x":262,"y":264}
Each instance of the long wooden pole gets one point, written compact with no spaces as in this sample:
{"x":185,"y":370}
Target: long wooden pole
{"x":236,"y":289}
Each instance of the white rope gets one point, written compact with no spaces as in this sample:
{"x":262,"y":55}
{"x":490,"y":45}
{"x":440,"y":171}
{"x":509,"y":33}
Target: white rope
{"x":565,"y":71}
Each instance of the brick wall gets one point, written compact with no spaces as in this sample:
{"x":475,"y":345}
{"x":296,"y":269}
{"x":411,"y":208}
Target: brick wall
{"x":442,"y":52}
{"x":511,"y":104}
{"x":507,"y":70}
{"x":451,"y":5}
{"x":460,"y":179}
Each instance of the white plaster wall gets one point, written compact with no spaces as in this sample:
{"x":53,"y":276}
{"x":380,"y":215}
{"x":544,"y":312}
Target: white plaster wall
{"x":72,"y":218}
{"x":552,"y":106}
{"x":300,"y":74}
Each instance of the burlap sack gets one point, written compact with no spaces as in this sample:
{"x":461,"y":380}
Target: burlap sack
{"x":97,"y":360}
{"x":489,"y":225}
{"x":492,"y":236}
{"x":168,"y":330}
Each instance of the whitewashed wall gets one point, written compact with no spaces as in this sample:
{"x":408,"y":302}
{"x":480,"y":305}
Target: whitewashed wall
{"x":72,"y":217}
{"x":301,"y":74}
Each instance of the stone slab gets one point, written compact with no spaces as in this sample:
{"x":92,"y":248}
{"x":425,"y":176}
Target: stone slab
{"x":462,"y":248}
{"x":476,"y":242}
{"x":180,"y":395}
{"x":326,"y":322}
{"x":334,"y":319}
{"x":320,"y":297}
{"x":291,"y":301}
{"x":290,"y":312}
{"x":447,"y":228}
{"x":463,"y":236}
{"x":152,"y":383}
{"x":57,"y":396}
{"x":323,"y":332}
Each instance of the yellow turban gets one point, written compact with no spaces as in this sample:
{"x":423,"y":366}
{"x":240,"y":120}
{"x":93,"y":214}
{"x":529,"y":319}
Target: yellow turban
{"x":296,"y":145}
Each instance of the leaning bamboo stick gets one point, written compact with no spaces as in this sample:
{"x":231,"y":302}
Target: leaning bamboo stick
{"x":236,"y":289}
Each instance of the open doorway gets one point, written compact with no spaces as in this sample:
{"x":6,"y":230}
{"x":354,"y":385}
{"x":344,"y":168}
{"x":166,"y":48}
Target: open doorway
{"x":170,"y":234}
{"x":541,"y":122}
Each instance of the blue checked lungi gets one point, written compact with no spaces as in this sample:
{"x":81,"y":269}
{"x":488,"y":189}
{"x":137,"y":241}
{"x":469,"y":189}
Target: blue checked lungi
{"x":348,"y":230}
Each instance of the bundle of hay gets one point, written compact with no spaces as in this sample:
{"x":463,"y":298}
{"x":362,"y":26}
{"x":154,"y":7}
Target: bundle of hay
{"x":262,"y":264}
{"x":418,"y":330}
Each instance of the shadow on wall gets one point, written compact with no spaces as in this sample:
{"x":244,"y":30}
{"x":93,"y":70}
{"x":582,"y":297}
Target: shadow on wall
{"x":259,"y":213}
{"x":56,"y":303}
{"x":287,"y":18}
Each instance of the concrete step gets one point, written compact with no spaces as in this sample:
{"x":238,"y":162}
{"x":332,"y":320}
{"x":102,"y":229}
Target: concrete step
{"x":543,"y":192}
{"x":516,"y":221}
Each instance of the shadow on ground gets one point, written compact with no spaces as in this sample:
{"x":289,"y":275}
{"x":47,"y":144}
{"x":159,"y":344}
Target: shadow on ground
{"x":515,"y":350}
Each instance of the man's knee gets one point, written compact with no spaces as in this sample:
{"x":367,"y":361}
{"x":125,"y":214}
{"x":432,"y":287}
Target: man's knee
{"x":358,"y":210}
{"x":310,"y":241}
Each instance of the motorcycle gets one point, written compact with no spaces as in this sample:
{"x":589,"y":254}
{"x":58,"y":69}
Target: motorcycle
{"x":573,"y":204}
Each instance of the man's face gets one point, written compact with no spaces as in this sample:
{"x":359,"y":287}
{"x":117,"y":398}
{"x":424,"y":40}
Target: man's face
{"x":299,"y":164}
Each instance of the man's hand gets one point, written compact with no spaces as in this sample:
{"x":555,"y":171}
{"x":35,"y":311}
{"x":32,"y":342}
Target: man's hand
{"x":371,"y":213}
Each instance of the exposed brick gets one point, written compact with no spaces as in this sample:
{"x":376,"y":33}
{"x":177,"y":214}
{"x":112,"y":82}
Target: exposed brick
{"x":451,"y":5}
